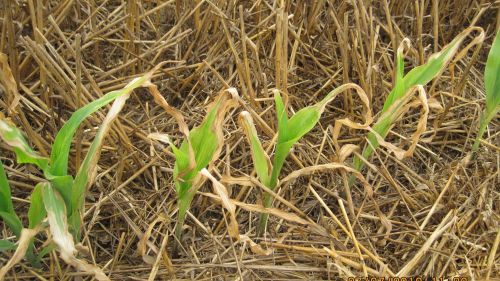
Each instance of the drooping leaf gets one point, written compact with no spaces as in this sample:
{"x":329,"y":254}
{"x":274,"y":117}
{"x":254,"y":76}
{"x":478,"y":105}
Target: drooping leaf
{"x":24,"y":153}
{"x":86,"y":172}
{"x":492,"y":88}
{"x":62,"y":143}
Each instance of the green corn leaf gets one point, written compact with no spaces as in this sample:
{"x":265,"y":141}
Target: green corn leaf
{"x":46,"y":250}
{"x":6,"y":245}
{"x":86,"y":172}
{"x":36,"y":212}
{"x":13,"y":222}
{"x":200,"y":147}
{"x":492,"y":75}
{"x":62,"y":143}
{"x":205,"y":141}
{"x":7,"y":212}
{"x":24,"y":153}
{"x":64,"y":185}
{"x":399,"y":87}
{"x":420,"y":75}
{"x":290,"y":131}
{"x":260,"y":158}
{"x":492,"y":88}
{"x":5,"y":195}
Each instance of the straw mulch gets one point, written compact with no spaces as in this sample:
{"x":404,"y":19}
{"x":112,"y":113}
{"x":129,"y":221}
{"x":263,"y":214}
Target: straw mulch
{"x":439,"y":209}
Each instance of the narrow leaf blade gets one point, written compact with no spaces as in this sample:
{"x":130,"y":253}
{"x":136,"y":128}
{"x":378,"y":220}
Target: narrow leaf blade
{"x":260,"y":158}
{"x":5,"y":194}
{"x":36,"y":212}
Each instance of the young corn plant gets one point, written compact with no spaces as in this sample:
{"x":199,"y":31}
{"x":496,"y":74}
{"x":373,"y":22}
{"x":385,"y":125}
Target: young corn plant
{"x":290,"y":131}
{"x":397,"y":103}
{"x":200,"y":147}
{"x":492,"y":87}
{"x":58,"y":202}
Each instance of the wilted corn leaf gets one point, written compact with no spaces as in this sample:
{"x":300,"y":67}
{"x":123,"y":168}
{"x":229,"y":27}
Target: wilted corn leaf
{"x":24,"y":153}
{"x":201,"y":146}
{"x":221,"y":191}
{"x":86,"y":172}
{"x":62,"y":143}
{"x":492,"y":88}
{"x":56,"y":214}
{"x":23,"y":243}
{"x":420,"y":75}
{"x":10,"y":85}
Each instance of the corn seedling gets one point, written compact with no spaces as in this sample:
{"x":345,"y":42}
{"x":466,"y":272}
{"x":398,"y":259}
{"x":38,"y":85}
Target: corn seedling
{"x":290,"y":131}
{"x":200,"y":147}
{"x":59,"y":201}
{"x":398,"y":101}
{"x":492,"y":87}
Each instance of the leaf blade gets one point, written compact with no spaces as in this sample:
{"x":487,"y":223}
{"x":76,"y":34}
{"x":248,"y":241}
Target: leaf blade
{"x":24,"y":153}
{"x":260,"y":158}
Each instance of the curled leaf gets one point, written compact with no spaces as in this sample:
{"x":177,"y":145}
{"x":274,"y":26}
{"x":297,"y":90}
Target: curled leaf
{"x":142,"y":245}
{"x":221,"y":191}
{"x":397,"y":110}
{"x":330,"y":166}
